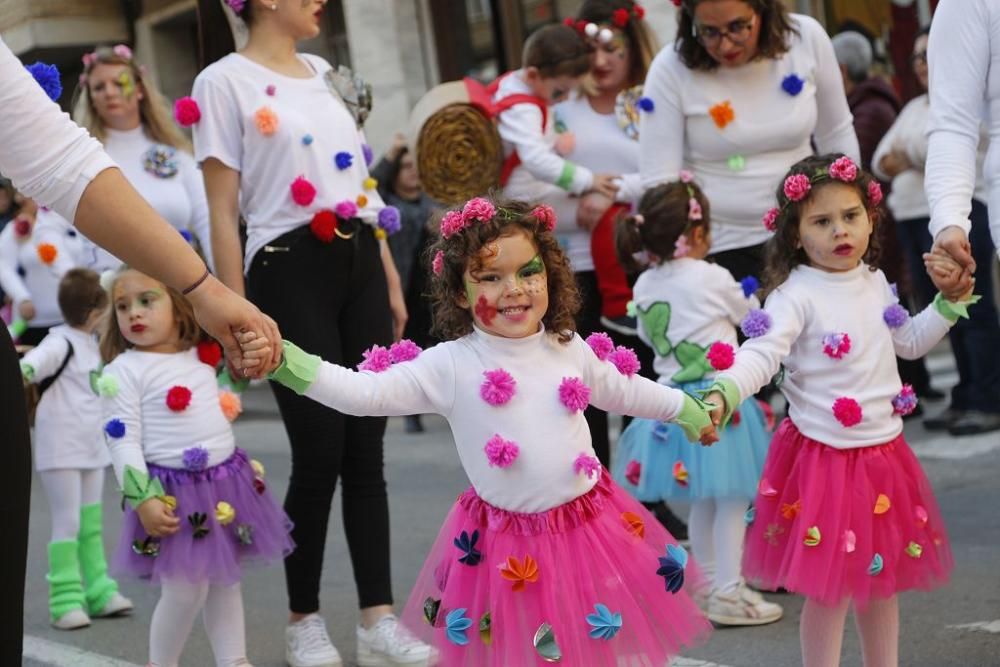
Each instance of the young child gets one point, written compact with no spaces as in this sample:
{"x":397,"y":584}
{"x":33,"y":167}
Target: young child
{"x":70,"y":455}
{"x":555,"y":58}
{"x":197,"y":507}
{"x":844,"y":513}
{"x":545,"y":553}
{"x":687,"y":311}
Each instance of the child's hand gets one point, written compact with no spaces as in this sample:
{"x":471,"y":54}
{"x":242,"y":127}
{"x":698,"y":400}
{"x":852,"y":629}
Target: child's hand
{"x":718,"y":400}
{"x":709,"y":435}
{"x":157,"y":518}
{"x":255,"y":350}
{"x":605,"y":184}
{"x":948,"y":276}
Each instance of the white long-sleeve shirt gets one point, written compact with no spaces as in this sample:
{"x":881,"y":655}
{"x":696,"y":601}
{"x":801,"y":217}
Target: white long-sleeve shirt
{"x":684,"y":306}
{"x":25,"y":277}
{"x":154,"y":432}
{"x":446,"y":380}
{"x":47,"y":156}
{"x":740,"y":165}
{"x":964,"y":60}
{"x":811,"y":305}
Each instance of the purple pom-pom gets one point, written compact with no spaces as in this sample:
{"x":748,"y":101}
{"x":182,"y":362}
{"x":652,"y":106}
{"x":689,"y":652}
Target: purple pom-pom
{"x":377,"y":359}
{"x":586,"y":464}
{"x":498,"y":387}
{"x":601,"y":344}
{"x":389,"y":219}
{"x":895,"y":316}
{"x":48,"y":78}
{"x":343,"y":160}
{"x":501,"y":453}
{"x":195,"y":458}
{"x":115,"y":428}
{"x":625,"y":360}
{"x":756,"y":323}
{"x":792,"y":84}
{"x":905,"y":401}
{"x":750,"y":285}
{"x":404,"y":350}
{"x":646,"y":104}
{"x":368,"y":154}
{"x":574,"y":394}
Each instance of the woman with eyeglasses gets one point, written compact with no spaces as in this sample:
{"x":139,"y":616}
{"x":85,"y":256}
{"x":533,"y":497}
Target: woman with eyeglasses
{"x":739,"y":97}
{"x":900,"y":157}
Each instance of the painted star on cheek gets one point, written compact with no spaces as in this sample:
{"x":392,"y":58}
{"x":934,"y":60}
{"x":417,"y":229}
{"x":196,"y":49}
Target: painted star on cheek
{"x":484,"y":311}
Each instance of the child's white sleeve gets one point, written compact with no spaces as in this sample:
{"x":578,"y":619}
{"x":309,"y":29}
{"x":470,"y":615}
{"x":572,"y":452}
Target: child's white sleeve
{"x":121,"y":408}
{"x":614,"y":391}
{"x":729,"y":294}
{"x":44,"y":359}
{"x":10,"y":281}
{"x":918,"y":334}
{"x":521,"y":125}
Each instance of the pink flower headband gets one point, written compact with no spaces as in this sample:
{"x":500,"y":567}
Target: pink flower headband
{"x":92,"y":58}
{"x":483,"y":210}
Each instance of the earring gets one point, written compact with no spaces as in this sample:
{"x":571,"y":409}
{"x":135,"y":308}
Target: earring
{"x":274,"y":6}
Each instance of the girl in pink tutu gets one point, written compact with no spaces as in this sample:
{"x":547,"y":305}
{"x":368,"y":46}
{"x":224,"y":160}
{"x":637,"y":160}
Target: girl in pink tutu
{"x":544,"y":558}
{"x":197,"y":507}
{"x":844,"y":513}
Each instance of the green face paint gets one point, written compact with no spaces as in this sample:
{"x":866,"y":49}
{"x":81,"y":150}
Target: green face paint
{"x":532,"y":268}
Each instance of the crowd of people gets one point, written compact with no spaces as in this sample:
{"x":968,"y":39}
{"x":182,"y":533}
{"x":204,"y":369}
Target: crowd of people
{"x":674,"y":237}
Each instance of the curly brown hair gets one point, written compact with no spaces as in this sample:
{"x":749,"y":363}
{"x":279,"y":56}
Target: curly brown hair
{"x":782,"y":252}
{"x":462,"y":251}
{"x":664,"y":210}
{"x":775,"y":28}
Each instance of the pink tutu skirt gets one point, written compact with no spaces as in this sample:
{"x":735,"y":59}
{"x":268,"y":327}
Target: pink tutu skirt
{"x":833,"y":523}
{"x":577,"y":584}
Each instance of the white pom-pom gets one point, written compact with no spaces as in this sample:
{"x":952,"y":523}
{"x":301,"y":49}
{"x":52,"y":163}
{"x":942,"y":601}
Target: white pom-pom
{"x":605,"y":36}
{"x":108,"y":279}
{"x":591,"y":30}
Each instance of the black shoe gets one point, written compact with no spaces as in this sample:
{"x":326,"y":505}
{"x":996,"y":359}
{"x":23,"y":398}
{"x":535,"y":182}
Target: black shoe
{"x":624,"y":325}
{"x":930,"y":394}
{"x":944,"y":420}
{"x":413,"y":424}
{"x":975,"y":422}
{"x":669,"y":520}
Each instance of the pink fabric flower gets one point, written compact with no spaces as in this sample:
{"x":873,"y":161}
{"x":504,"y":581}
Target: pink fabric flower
{"x":545,"y":216}
{"x":574,"y":394}
{"x":452,"y":223}
{"x":874,"y":193}
{"x":437,"y":264}
{"x":847,"y":411}
{"x":694,"y":209}
{"x":770,"y":219}
{"x":377,"y":359}
{"x":797,"y":187}
{"x":186,"y":111}
{"x":404,"y":350}
{"x":633,"y":471}
{"x":587,"y":464}
{"x":601,"y":344}
{"x":836,"y":345}
{"x":685,"y":176}
{"x":122,"y":51}
{"x":625,"y":360}
{"x":498,"y":387}
{"x":303,"y":192}
{"x":844,"y":169}
{"x":346,"y":209}
{"x":501,"y":453}
{"x":478,"y":209}
{"x":681,"y":247}
{"x":720,"y":355}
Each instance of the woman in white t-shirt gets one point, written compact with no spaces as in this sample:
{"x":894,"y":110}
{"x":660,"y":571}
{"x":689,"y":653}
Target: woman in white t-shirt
{"x":278,"y":138}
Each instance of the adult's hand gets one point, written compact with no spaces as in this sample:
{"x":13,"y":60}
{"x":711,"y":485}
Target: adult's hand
{"x":591,"y":208}
{"x":955,"y":242}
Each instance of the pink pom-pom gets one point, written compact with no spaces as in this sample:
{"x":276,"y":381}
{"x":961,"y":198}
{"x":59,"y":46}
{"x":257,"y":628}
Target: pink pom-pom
{"x":452,"y":223}
{"x":574,"y":394}
{"x":625,"y":360}
{"x":694,"y":209}
{"x":501,"y":453}
{"x":874,"y":193}
{"x":478,"y":209}
{"x":377,"y":359}
{"x":601,"y":344}
{"x":685,"y":176}
{"x":303,"y":192}
{"x":565,"y":143}
{"x":633,"y":472}
{"x":720,"y":355}
{"x":681,"y":247}
{"x":437,"y":264}
{"x":346,"y":209}
{"x":498,"y":387}
{"x":847,"y":411}
{"x":770,"y":219}
{"x":796,"y":187}
{"x":844,"y":169}
{"x":836,"y":345}
{"x":586,"y":464}
{"x":404,"y":350}
{"x":186,"y":111}
{"x":545,"y":216}
{"x":905,"y":401}
{"x":231,"y":405}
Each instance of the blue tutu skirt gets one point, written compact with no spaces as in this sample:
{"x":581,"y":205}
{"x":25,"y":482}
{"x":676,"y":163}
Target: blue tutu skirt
{"x":654,"y":460}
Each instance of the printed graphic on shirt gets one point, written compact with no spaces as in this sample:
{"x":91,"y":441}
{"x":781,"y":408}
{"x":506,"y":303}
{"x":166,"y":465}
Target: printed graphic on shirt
{"x":691,"y":356}
{"x":655,"y":321}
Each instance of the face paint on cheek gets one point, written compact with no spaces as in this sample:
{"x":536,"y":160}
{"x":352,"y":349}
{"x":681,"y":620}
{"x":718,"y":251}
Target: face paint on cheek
{"x":127,"y":84}
{"x":484,"y":311}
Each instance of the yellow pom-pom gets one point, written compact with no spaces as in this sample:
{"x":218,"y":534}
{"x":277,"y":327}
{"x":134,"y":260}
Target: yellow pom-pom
{"x":370,"y":183}
{"x":224,"y":513}
{"x":381,"y":235}
{"x":258,"y":468}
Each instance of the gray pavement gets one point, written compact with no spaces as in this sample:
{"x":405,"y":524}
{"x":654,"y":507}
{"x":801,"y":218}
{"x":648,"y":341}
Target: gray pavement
{"x":424,"y":478}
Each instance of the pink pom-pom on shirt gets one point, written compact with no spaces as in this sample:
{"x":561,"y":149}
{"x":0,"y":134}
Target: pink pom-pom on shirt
{"x":625,"y":360}
{"x":346,"y":209}
{"x":836,"y":345}
{"x":478,"y":209}
{"x":404,"y":350}
{"x":720,"y":355}
{"x":601,"y":344}
{"x":186,"y":111}
{"x":770,"y":219}
{"x":545,"y":216}
{"x":633,"y":472}
{"x":452,"y":223}
{"x":377,"y":359}
{"x":586,"y":464}
{"x":796,"y":187}
{"x":437,"y":264}
{"x":574,"y":394}
{"x":501,"y":453}
{"x":303,"y":192}
{"x":847,"y":411}
{"x":874,"y":193}
{"x":498,"y":387}
{"x":844,"y":169}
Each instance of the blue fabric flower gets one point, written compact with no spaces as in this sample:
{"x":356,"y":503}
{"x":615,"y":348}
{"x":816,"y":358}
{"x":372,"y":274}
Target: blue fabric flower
{"x":307,"y":140}
{"x":604,"y":624}
{"x":343,"y":160}
{"x":369,"y":155}
{"x":48,"y":78}
{"x":792,"y":84}
{"x":750,"y":285}
{"x":646,"y":104}
{"x":756,"y":323}
{"x":672,"y":567}
{"x":895,"y":316}
{"x":389,"y":219}
{"x":467,"y":545}
{"x":115,"y":428}
{"x":456,"y":623}
{"x":195,"y":458}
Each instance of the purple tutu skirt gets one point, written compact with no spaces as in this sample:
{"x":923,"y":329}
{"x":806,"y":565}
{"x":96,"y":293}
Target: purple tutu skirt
{"x":578,"y":582}
{"x":205,"y":549}
{"x":835,"y":523}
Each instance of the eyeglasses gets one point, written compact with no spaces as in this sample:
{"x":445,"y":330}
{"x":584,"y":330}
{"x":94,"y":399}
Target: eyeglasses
{"x":919,"y":57}
{"x":737,"y":31}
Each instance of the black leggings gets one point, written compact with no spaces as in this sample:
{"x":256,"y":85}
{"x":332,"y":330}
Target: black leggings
{"x":331,"y":300}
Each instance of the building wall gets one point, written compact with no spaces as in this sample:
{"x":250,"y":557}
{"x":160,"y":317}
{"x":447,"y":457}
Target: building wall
{"x":31,"y":25}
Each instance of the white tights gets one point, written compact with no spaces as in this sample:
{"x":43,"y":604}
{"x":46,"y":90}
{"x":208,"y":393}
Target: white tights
{"x":716,"y":528}
{"x":821,"y":631}
{"x":180,"y":602}
{"x":68,"y":490}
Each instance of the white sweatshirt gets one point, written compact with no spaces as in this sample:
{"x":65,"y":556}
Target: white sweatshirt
{"x":25,"y":277}
{"x":811,"y":305}
{"x":740,"y":165}
{"x":964,"y":63}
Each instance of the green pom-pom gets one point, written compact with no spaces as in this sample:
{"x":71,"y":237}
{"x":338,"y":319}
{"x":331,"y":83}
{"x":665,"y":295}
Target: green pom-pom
{"x":630,"y":309}
{"x":107,"y":385}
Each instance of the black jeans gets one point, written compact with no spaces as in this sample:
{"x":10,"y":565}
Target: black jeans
{"x":975,"y":342}
{"x":331,"y":300}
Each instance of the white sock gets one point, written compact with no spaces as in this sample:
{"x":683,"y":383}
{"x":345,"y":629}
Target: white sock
{"x":225,"y":625}
{"x":62,"y":488}
{"x":180,"y":602}
{"x":728,"y":530}
{"x":700,"y":524}
{"x":878,"y":626}
{"x":821,"y":632}
{"x":91,"y":486}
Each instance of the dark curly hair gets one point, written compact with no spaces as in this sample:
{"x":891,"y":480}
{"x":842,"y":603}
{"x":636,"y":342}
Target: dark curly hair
{"x":782,"y":252}
{"x":462,"y":250}
{"x":775,"y":27}
{"x":664,"y":210}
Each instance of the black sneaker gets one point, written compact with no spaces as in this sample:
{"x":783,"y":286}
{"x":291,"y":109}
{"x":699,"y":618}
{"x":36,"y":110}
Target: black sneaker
{"x":974,"y":422}
{"x":944,"y":420}
{"x":625,"y":325}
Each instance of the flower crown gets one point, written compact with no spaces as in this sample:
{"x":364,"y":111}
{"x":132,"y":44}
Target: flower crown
{"x":797,"y":187}
{"x":92,"y":58}
{"x":619,"y":18}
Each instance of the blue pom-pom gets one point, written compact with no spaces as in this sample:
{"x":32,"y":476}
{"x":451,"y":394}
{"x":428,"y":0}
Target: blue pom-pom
{"x":792,"y":84}
{"x":750,"y":285}
{"x":187,"y":235}
{"x":48,"y":78}
{"x":366,"y":150}
{"x":307,"y":140}
{"x":389,"y":219}
{"x":343,"y":160}
{"x":115,"y":428}
{"x":646,"y":104}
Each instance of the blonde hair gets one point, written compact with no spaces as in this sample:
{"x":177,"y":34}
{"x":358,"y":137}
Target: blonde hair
{"x":154,"y":114}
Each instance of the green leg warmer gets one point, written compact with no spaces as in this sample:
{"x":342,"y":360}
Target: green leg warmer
{"x":65,"y":587}
{"x":99,"y":587}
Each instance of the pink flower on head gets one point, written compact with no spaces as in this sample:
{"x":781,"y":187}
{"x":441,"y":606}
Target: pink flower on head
{"x":498,"y":387}
{"x":874,"y":193}
{"x":587,"y":464}
{"x":574,"y":394}
{"x":501,"y":453}
{"x":452,"y":223}
{"x":601,"y":344}
{"x":625,"y":360}
{"x":346,"y":209}
{"x":844,"y":169}
{"x":797,"y":187}
{"x":404,"y":350}
{"x":685,"y":176}
{"x":770,"y":219}
{"x":694,"y":209}
{"x":633,"y":472}
{"x":545,"y":216}
{"x":681,"y":247}
{"x":376,"y":360}
{"x":478,"y":209}
{"x":89,"y":59}
{"x":836,"y":345}
{"x":122,"y":51}
{"x":720,"y":355}
{"x":847,"y":411}
{"x":437,"y":264}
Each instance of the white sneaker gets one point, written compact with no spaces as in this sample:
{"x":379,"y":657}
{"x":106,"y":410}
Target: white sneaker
{"x":308,"y":645}
{"x":742,"y":606}
{"x":118,"y":605}
{"x":74,"y":619}
{"x":388,"y":644}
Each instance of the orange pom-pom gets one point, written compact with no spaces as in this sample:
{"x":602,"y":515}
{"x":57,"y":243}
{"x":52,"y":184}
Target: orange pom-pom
{"x":231,"y":405}
{"x":266,"y":121}
{"x":362,"y":201}
{"x":47,"y":253}
{"x":723,"y":114}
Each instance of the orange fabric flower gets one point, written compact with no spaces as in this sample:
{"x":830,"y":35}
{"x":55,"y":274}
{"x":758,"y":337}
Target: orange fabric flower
{"x":634,"y":524}
{"x":266,"y":120}
{"x":47,"y":253}
{"x":518,"y":572}
{"x":790,"y":511}
{"x":723,"y":114}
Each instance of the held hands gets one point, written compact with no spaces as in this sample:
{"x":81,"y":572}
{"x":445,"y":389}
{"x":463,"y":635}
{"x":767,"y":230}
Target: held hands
{"x":591,"y":208}
{"x":157,"y":518}
{"x":895,"y":162}
{"x":257,"y":353}
{"x":606,"y":184}
{"x":948,"y":277}
{"x":954,"y":242}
